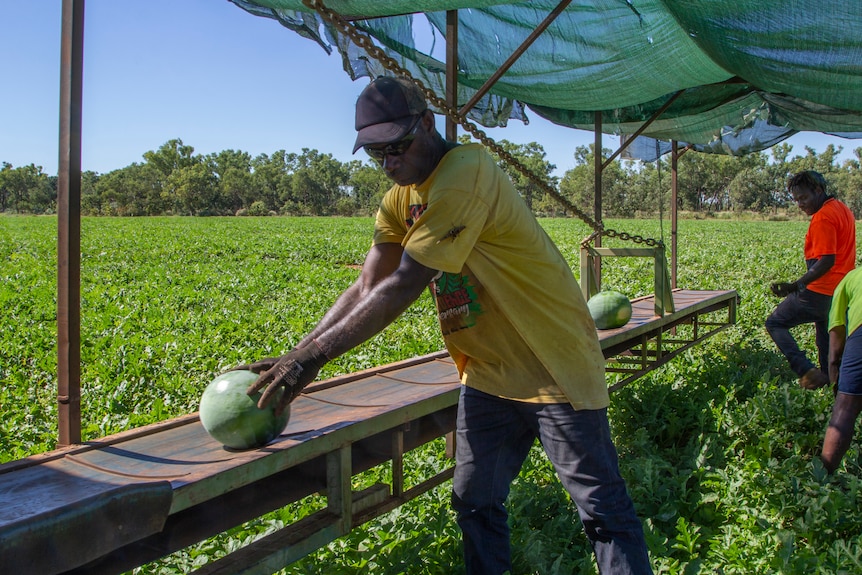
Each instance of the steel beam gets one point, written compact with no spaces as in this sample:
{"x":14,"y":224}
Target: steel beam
{"x":489,"y":83}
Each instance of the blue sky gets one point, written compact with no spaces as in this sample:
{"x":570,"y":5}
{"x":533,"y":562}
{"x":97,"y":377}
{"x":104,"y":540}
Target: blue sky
{"x":204,"y":71}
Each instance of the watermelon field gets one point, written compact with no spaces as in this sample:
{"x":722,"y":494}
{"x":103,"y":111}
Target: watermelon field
{"x":719,"y":447}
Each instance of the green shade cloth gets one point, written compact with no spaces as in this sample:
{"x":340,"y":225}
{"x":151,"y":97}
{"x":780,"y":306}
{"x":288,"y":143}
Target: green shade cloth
{"x":753,"y":72}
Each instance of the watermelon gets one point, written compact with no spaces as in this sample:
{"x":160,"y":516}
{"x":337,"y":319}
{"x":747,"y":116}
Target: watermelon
{"x":232,"y":417}
{"x":610,"y":309}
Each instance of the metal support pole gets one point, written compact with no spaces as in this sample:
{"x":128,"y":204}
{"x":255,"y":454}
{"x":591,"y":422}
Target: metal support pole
{"x":451,"y":125}
{"x":69,"y":225}
{"x":451,"y":72}
{"x":339,"y":495}
{"x":398,"y":463}
{"x":597,"y":175}
{"x":674,"y":156}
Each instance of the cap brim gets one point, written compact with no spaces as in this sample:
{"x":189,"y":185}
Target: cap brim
{"x":384,"y":133}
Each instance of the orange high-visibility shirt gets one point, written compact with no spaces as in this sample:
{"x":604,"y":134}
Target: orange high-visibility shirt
{"x":832,"y":231}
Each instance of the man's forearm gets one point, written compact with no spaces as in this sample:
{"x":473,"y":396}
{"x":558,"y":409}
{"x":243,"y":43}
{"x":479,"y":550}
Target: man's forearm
{"x":369,"y":315}
{"x":339,"y":310}
{"x":819,"y":269}
{"x":837,"y":339}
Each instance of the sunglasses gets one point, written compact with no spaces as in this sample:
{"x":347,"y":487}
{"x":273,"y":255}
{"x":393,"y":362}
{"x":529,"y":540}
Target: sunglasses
{"x":395,"y":148}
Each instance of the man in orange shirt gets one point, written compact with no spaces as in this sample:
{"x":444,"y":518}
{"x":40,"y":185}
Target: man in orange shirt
{"x":830,"y":252}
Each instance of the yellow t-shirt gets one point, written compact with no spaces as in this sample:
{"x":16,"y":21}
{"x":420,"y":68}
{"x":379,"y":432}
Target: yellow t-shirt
{"x":510,"y":310}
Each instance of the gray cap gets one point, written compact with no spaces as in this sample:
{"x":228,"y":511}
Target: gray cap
{"x":386,"y":109}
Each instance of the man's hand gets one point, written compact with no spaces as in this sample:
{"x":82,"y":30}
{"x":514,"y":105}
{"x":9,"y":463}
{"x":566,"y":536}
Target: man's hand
{"x":783,"y":289}
{"x":291,"y":372}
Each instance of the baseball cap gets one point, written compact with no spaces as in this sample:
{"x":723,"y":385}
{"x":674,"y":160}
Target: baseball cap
{"x":386,"y":109}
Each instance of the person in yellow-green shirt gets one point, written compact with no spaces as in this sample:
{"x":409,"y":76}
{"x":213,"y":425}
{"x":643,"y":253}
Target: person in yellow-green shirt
{"x":845,"y":368}
{"x":512,"y":317}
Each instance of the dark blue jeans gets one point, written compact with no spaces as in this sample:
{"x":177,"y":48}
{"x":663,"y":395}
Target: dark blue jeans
{"x":796,"y":309}
{"x":493,"y":439}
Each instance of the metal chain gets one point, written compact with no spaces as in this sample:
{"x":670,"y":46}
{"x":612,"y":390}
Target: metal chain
{"x":365,"y":42}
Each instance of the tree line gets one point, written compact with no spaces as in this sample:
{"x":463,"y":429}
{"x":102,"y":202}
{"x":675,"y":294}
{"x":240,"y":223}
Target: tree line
{"x":173,"y":180}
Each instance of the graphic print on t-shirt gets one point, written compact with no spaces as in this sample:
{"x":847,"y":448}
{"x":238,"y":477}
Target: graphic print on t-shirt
{"x":415,"y":211}
{"x":457,"y":304}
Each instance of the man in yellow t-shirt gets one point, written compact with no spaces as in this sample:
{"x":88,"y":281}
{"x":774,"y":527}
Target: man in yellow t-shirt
{"x":513,"y":320}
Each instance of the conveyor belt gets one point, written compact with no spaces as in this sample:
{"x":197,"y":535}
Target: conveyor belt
{"x":127,"y":499}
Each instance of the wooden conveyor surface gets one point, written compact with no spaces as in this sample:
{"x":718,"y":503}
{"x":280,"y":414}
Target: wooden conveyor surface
{"x":123,"y":500}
